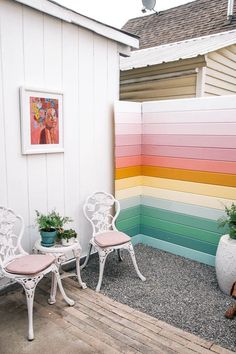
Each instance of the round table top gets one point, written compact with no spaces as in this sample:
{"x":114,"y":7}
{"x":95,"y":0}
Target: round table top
{"x":57,"y":248}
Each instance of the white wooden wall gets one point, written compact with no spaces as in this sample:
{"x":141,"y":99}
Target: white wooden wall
{"x":38,"y":50}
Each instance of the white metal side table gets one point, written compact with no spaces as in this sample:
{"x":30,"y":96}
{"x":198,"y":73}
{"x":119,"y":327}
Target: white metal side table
{"x":60,"y":253}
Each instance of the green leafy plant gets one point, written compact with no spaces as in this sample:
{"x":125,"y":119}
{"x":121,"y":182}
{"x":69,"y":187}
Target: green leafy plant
{"x":51,"y":221}
{"x":66,"y":234}
{"x":229,"y":220}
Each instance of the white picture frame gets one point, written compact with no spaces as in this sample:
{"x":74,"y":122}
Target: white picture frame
{"x":41,"y":121}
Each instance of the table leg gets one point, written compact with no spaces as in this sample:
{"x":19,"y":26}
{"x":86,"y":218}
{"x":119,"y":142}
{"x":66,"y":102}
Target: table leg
{"x":53,"y":292}
{"x":77,"y":262}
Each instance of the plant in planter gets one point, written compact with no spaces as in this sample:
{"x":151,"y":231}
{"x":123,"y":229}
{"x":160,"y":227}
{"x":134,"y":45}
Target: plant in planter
{"x":49,"y":225}
{"x":67,"y":237}
{"x":226,"y":251}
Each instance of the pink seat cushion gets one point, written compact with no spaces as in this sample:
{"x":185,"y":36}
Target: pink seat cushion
{"x":111,"y":238}
{"x":30,"y":264}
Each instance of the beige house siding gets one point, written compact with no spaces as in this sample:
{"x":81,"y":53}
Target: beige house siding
{"x":159,"y":82}
{"x":221,"y":72}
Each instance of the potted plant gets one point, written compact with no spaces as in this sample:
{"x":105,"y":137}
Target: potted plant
{"x":226,"y":251}
{"x":67,"y":237}
{"x":49,"y":225}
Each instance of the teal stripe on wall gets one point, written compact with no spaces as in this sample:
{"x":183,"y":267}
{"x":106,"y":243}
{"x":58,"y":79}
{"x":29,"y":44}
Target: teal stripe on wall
{"x":180,"y":240}
{"x":179,"y":229}
{"x":184,"y":208}
{"x":128,"y":223}
{"x":179,"y":218}
{"x":177,"y":249}
{"x":129,"y":213}
{"x":133,"y":231}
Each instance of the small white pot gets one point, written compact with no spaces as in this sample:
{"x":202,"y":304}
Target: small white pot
{"x":68,"y":242}
{"x":225,"y":263}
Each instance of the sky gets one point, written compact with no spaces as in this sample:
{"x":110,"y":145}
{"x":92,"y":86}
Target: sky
{"x":116,"y":12}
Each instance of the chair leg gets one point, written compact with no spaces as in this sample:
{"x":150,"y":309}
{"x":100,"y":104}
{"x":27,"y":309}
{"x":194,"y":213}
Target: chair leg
{"x":87,"y":257}
{"x":119,"y":255}
{"x":65,"y":297}
{"x":102,"y":260}
{"x":29,"y":286}
{"x":131,"y":252}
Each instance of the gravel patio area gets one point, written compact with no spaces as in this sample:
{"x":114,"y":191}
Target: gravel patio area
{"x":179,"y":291}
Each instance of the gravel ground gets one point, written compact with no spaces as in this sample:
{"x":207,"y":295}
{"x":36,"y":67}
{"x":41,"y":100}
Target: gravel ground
{"x":179,"y":291}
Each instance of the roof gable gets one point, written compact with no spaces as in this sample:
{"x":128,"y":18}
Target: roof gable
{"x":195,"y":19}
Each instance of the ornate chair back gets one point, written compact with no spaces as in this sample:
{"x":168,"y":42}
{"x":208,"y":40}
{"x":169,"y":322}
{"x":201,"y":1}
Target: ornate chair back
{"x":101,"y":209}
{"x":11,"y":231}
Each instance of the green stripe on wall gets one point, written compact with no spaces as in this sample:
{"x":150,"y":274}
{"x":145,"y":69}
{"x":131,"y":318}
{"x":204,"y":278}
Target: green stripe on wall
{"x":133,"y":231}
{"x":184,"y":219}
{"x":178,"y":239}
{"x":181,"y":230}
{"x":129,"y":213}
{"x":128,"y":223}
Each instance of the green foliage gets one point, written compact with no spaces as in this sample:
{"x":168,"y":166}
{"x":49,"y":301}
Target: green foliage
{"x":66,"y":234}
{"x":51,"y":221}
{"x":229,"y":220}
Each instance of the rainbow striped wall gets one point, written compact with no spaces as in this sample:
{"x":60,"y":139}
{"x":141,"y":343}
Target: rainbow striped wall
{"x":128,"y":184}
{"x":175,"y":171}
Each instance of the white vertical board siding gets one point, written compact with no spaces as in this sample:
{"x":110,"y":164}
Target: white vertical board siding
{"x":37,"y":50}
{"x":34,"y":68}
{"x":12,"y":57}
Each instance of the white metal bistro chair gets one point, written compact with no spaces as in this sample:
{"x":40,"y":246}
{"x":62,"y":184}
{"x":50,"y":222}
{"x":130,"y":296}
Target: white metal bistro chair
{"x":98,"y":209}
{"x":23,"y":268}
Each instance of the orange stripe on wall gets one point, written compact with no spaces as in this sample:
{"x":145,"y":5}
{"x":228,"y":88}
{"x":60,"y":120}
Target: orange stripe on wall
{"x":190,"y":164}
{"x":127,"y":172}
{"x":191,"y":176}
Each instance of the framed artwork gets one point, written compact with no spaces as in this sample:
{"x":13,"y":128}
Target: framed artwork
{"x":41,"y":121}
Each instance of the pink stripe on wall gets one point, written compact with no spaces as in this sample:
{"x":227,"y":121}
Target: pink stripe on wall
{"x":128,"y":161}
{"x":193,"y":128}
{"x":133,"y":150}
{"x":190,"y":164}
{"x":134,"y":139}
{"x":207,"y":116}
{"x":222,"y":141}
{"x":190,"y":152}
{"x":131,"y":117}
{"x":124,"y":129}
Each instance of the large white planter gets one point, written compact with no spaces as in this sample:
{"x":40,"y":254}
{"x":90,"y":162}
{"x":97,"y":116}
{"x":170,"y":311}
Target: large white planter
{"x":226,"y":263}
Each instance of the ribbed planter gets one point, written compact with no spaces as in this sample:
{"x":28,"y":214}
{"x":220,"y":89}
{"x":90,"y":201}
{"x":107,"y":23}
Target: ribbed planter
{"x":226,"y":263}
{"x":48,"y":238}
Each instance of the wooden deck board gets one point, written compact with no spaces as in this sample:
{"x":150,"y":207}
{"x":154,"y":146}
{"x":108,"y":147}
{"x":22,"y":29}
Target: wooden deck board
{"x":98,"y":324}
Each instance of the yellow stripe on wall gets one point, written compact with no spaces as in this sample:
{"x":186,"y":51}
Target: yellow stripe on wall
{"x":127,"y":193}
{"x":221,"y":179}
{"x":191,"y":187}
{"x":128,"y":183}
{"x":188,"y":198}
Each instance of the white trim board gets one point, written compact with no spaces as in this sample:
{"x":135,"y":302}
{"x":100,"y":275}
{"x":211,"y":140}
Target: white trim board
{"x":58,"y":11}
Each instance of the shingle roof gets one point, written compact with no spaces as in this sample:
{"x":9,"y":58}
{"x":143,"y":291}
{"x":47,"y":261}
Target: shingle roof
{"x":189,"y":48}
{"x":195,"y":19}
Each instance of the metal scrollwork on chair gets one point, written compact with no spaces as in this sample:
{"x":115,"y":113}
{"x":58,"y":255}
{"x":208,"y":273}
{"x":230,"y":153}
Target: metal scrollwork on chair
{"x":21,"y":267}
{"x":102,"y":209}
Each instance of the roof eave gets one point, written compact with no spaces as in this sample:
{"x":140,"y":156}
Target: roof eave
{"x":70,"y":16}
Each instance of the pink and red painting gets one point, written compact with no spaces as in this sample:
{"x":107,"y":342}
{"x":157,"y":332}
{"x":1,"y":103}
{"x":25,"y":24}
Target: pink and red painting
{"x":44,"y":120}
